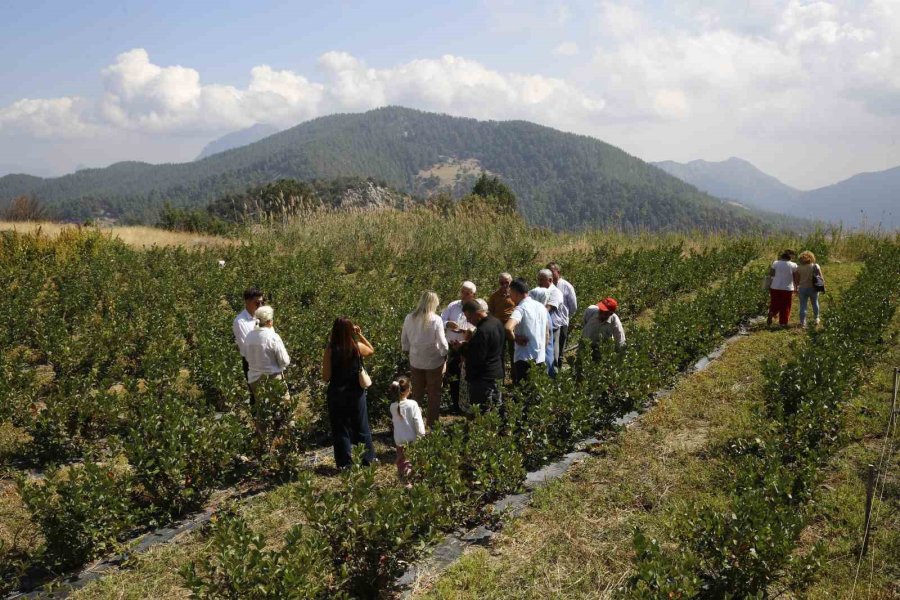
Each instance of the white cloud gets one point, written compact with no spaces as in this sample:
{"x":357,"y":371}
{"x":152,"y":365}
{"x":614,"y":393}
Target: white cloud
{"x":643,"y":73}
{"x":566,"y":49}
{"x":144,"y":97}
{"x":822,"y":48}
{"x":619,"y":20}
{"x":457,"y":86}
{"x":47,"y":118}
{"x":671,"y":103}
{"x":781,"y":74}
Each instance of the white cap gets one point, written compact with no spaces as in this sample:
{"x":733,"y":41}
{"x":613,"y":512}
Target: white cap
{"x":468,"y":285}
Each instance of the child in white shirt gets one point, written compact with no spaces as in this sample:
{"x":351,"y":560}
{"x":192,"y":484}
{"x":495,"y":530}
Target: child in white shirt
{"x":408,"y":423}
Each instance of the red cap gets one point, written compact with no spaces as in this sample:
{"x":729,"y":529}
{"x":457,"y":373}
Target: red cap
{"x":608,"y":304}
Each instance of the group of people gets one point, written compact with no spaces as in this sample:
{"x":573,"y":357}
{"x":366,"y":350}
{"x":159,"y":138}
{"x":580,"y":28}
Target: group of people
{"x":466,"y":347}
{"x":786,"y":279}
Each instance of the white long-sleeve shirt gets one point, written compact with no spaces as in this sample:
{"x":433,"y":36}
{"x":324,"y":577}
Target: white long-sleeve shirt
{"x":242,"y":325}
{"x":408,"y":424}
{"x":426,"y":342}
{"x":265,"y":353}
{"x":454,"y":312}
{"x":570,"y":301}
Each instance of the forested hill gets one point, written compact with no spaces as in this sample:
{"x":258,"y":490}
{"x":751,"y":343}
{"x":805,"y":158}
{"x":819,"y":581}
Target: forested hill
{"x":562,"y":180}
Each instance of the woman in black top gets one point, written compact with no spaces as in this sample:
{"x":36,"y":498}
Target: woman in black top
{"x":347,"y":410}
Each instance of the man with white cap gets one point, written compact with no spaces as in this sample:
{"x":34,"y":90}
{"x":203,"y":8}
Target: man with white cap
{"x":457,"y":325}
{"x":264,"y":349}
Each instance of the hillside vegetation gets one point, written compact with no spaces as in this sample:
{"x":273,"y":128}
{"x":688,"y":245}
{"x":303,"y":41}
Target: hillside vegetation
{"x":281,"y":202}
{"x":562,"y":180}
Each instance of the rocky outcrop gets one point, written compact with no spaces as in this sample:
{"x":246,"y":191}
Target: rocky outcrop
{"x":369,"y":195}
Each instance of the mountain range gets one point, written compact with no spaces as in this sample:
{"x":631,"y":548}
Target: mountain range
{"x":236,"y":139}
{"x":865,"y":200}
{"x":562,"y":180}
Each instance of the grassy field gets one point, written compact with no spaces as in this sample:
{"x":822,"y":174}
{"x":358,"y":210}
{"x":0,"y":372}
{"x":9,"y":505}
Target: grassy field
{"x":575,"y":541}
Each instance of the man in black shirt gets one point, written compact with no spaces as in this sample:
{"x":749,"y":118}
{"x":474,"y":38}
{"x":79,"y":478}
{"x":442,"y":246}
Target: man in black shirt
{"x":484,"y":355}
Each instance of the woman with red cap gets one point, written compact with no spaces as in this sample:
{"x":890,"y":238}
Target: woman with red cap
{"x":602,"y":323}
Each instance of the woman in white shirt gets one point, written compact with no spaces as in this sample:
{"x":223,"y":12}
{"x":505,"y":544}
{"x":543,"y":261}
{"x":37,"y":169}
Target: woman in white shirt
{"x":424,"y":339}
{"x":783,"y":287}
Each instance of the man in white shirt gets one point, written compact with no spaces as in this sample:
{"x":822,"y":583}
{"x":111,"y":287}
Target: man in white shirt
{"x":245,"y":322}
{"x":567,"y":310}
{"x":265,"y":351}
{"x":556,"y":306}
{"x":603,"y":323}
{"x":527,"y":327}
{"x":456,"y":326}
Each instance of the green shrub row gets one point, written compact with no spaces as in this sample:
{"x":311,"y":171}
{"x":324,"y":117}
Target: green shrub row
{"x":747,"y":549}
{"x":114,"y":354}
{"x":366,"y":533}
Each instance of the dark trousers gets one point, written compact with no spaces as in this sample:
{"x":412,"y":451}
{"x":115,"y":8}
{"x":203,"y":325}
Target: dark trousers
{"x":484,"y":393}
{"x":349,"y":418}
{"x":246,"y":366}
{"x":520,"y":370}
{"x":563,"y":338}
{"x":454,"y":364}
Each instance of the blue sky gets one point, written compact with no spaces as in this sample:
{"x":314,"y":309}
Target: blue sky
{"x":808,"y":91}
{"x":65,"y":41}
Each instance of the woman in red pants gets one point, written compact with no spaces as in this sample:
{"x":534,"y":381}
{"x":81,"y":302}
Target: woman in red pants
{"x":784,"y":285}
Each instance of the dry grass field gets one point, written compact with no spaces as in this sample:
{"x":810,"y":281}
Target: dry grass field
{"x":136,"y":236}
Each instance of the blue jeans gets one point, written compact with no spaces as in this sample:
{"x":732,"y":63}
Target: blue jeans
{"x":805,"y":294}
